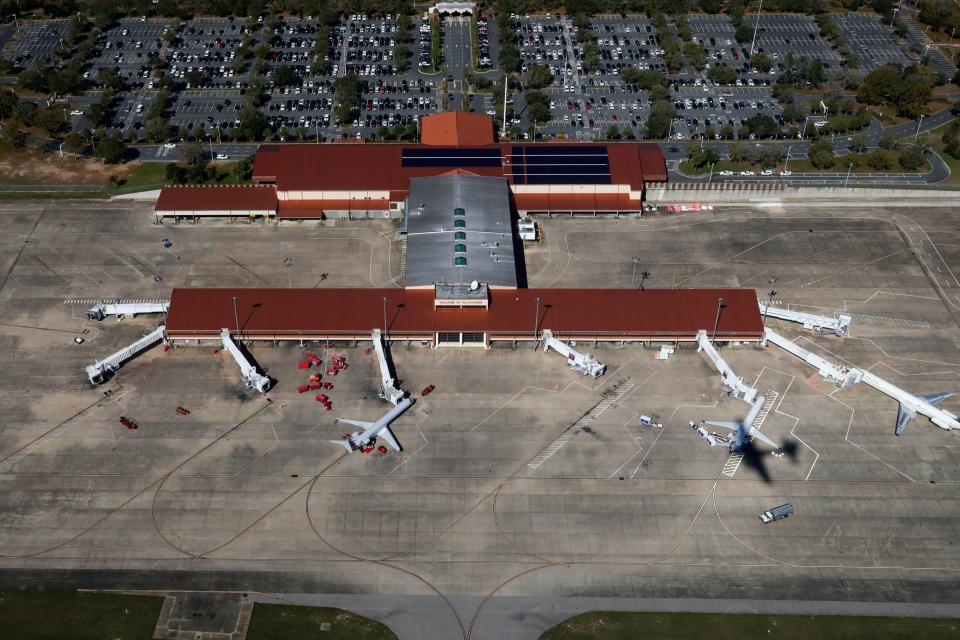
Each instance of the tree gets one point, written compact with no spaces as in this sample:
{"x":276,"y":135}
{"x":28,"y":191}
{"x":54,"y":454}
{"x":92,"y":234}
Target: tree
{"x":695,"y":54}
{"x":726,"y":131}
{"x":613,"y":132}
{"x":793,"y":112}
{"x":821,"y":154}
{"x":858,"y":143}
{"x":658,"y":124}
{"x":252,"y":124}
{"x":111,"y":149}
{"x":193,"y":154}
{"x":538,"y":77}
{"x":761,"y":62}
{"x":346,"y":97}
{"x":284,"y":76}
{"x":538,"y":106}
{"x":700,"y":158}
{"x":912,"y":159}
{"x":8,"y":102}
{"x":75,"y":142}
{"x":653,"y":82}
{"x":13,"y":136}
{"x":157,"y":129}
{"x":887,"y":141}
{"x":25,"y":113}
{"x":110,"y":79}
{"x":738,"y":152}
{"x":909,"y":89}
{"x":52,"y":121}
{"x":722,"y":74}
{"x":880,"y":160}
{"x":762,"y":126}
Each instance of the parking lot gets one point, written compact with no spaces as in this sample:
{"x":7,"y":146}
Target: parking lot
{"x":584,"y":104}
{"x":36,"y":42}
{"x":128,"y":49}
{"x":871,"y":40}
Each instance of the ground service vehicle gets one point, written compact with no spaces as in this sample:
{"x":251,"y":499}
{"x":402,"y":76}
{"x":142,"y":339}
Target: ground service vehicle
{"x":777,"y":513}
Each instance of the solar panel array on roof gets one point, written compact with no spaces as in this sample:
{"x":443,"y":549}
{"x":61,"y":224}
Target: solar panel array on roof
{"x":560,"y":164}
{"x":452,"y":158}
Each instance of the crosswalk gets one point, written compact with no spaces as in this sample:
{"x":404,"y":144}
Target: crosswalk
{"x":733,"y":462}
{"x":580,"y":424}
{"x":892,"y":322}
{"x":114,"y":301}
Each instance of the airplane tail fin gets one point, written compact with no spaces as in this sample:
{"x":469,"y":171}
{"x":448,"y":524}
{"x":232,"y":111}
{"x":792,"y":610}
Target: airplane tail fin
{"x":387,"y":435}
{"x":344,"y":444}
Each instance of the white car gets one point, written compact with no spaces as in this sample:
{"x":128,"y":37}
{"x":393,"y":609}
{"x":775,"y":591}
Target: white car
{"x":766,"y":172}
{"x":786,"y":173}
{"x":170,"y":145}
{"x":726,"y":173}
{"x":747,"y":173}
{"x":222,"y":156}
{"x":77,"y":112}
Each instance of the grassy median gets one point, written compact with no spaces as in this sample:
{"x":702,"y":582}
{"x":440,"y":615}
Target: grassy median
{"x":706,"y":626}
{"x":68,"y":615}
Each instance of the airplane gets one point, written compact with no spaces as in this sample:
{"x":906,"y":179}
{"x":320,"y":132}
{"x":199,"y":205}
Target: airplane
{"x":906,"y":414}
{"x":743,"y":434}
{"x":373,"y":430}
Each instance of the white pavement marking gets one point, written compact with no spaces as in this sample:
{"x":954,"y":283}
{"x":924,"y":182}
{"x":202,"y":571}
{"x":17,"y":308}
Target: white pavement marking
{"x":582,"y":423}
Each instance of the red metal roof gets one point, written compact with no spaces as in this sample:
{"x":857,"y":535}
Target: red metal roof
{"x":456,"y":129}
{"x":375,"y":167}
{"x":653,"y":313}
{"x":220,"y":198}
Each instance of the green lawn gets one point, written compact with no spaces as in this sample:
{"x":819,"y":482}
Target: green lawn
{"x":287,"y":622}
{"x":933,"y":139}
{"x":68,"y":615}
{"x":705,"y":626}
{"x":51,"y":195}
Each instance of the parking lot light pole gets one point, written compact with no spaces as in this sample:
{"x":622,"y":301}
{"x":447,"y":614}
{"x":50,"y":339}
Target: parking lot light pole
{"x":771,"y":280}
{"x":847,"y":180}
{"x":919,"y":122}
{"x":236,"y":318}
{"x":384,"y":317}
{"x":633,"y":275}
{"x":755,"y":28}
{"x":786,"y":161}
{"x":716,"y":321}
{"x":536,"y":323}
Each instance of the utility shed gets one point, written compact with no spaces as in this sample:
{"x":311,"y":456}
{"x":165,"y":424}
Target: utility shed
{"x":220,"y":201}
{"x":459,"y":230}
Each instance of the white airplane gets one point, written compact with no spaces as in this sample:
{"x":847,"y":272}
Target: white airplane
{"x":743,"y":431}
{"x":373,"y":430}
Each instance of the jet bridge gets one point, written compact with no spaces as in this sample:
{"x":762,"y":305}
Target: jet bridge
{"x":838,"y":324}
{"x":248,"y":371}
{"x":103,"y":309}
{"x":389,"y":389}
{"x":910,"y":405}
{"x":101,"y":370}
{"x":731,"y":381}
{"x":585,"y":363}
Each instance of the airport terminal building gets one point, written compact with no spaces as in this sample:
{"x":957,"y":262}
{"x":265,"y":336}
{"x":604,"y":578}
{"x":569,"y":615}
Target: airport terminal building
{"x":363,"y":180}
{"x":457,"y":194}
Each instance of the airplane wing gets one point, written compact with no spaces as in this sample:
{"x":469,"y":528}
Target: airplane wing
{"x":345,"y":444}
{"x":937,"y":398}
{"x":756,"y":433}
{"x":387,"y":435}
{"x":732,"y":425}
{"x":357,"y":423}
{"x":904,"y":416}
